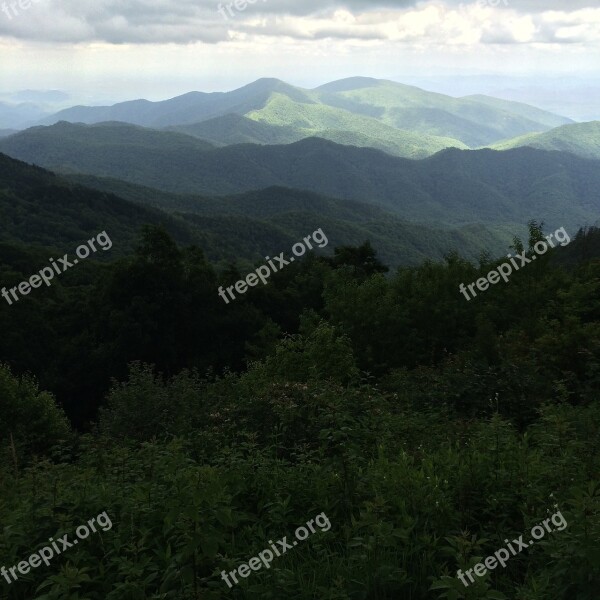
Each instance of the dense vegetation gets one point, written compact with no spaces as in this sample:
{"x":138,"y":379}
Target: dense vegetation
{"x":427,"y":428}
{"x":581,"y":139}
{"x":236,"y":129}
{"x":452,"y":188}
{"x":43,"y":209}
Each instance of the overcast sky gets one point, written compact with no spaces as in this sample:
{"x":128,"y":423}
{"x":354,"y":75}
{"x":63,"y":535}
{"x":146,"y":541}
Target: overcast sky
{"x":121,"y":49}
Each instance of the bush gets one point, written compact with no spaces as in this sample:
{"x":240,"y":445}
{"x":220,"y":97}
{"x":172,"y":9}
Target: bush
{"x":30,"y":420}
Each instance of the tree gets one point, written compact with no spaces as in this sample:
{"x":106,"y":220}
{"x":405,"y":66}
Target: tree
{"x":30,"y":420}
{"x":362,"y":260}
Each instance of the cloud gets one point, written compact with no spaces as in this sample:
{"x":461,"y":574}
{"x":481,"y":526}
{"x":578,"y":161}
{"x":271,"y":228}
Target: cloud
{"x":424,"y":23}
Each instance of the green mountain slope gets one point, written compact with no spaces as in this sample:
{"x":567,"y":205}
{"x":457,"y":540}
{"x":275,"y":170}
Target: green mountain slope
{"x":524,"y":110}
{"x":250,"y":225}
{"x":399,"y":118}
{"x":37,"y":207}
{"x":414,"y":109}
{"x":114,"y":148}
{"x":582,"y":139}
{"x":354,"y":222}
{"x":397,"y":242}
{"x":342,"y":126}
{"x":186,"y":109}
{"x":43,"y":210}
{"x":113,"y":134}
{"x":452,"y":188}
{"x":236,"y":129}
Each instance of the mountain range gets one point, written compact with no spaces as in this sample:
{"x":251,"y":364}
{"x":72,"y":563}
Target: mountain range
{"x":400,"y":119}
{"x":41,"y":209}
{"x":452,"y":188}
{"x":417,"y":173}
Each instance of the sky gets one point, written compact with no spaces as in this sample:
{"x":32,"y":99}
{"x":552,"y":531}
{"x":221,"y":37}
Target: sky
{"x":112,"y":50}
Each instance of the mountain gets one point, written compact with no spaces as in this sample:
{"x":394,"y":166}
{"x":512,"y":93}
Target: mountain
{"x":249,"y":225}
{"x":548,"y":119}
{"x":351,"y":128}
{"x":185,"y":109}
{"x":41,"y":209}
{"x":19,"y":115}
{"x":236,"y":129}
{"x":7,"y":132}
{"x":398,"y":243}
{"x":413,"y":109}
{"x":113,"y":134}
{"x":398,"y":118}
{"x":582,"y":139}
{"x":111,"y":147}
{"x":452,"y":188}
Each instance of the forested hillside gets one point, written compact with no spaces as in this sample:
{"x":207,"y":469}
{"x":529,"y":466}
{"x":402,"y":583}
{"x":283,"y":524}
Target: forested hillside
{"x":299,"y":300}
{"x":452,"y":188}
{"x":402,"y":412}
{"x":235,"y":129}
{"x":41,"y":208}
{"x":582,"y":139}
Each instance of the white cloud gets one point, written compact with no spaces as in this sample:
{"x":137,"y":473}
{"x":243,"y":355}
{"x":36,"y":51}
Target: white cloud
{"x":159,"y":45}
{"x":189,"y":21}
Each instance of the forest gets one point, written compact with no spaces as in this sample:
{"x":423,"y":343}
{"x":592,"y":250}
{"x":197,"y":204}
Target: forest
{"x":428,"y":429}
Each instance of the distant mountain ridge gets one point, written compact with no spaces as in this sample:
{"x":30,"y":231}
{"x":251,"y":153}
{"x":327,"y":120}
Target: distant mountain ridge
{"x":526,"y":111}
{"x":582,"y":139}
{"x":401,"y":119}
{"x":15,"y":115}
